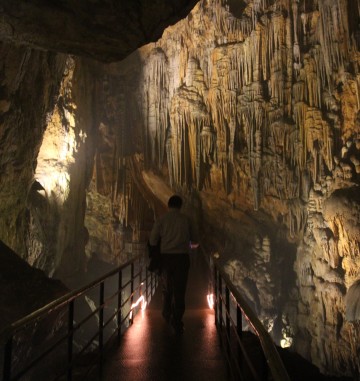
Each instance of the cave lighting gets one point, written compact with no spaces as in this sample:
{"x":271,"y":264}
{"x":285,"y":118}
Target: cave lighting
{"x":134,"y":305}
{"x":210,"y":300}
{"x":286,"y":342}
{"x":59,"y":150}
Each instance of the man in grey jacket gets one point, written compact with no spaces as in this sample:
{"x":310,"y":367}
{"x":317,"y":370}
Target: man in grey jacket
{"x":176,"y":234}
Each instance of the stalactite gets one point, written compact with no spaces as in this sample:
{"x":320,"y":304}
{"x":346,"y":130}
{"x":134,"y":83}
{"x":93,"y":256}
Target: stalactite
{"x":156,"y":107}
{"x":333,"y":34}
{"x":188,"y":116}
{"x":297,"y":217}
{"x":312,"y":83}
{"x":296,"y":48}
{"x":299,"y":116}
{"x":251,"y":115}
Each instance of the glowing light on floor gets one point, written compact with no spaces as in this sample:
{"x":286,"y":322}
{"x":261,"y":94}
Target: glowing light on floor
{"x":134,"y":305}
{"x":210,"y":300}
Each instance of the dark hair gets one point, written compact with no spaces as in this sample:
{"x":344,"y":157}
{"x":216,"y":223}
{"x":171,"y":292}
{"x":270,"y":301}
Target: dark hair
{"x":175,"y":202}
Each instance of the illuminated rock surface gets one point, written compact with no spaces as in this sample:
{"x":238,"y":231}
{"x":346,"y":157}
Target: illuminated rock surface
{"x":250,"y":110}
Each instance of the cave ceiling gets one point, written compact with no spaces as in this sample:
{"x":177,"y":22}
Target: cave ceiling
{"x":106,"y":30}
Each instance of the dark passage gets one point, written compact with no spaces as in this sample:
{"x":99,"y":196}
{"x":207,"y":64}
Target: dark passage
{"x":150,"y":351}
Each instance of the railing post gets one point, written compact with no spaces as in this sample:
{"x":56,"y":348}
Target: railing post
{"x":101,"y":327}
{"x":151,"y":283}
{"x":227,"y":317}
{"x":7,"y":359}
{"x":70,"y":339}
{"x":140,"y":280}
{"x":132,"y":285}
{"x":239,"y":331}
{"x":147,"y":284}
{"x":220,"y":302}
{"x":216,"y":296}
{"x":118,"y":317}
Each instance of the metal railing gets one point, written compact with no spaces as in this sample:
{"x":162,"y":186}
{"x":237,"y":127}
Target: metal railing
{"x":61,"y":339}
{"x":249,"y":358}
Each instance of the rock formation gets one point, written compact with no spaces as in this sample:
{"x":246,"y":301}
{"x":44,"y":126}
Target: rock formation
{"x":250,"y":109}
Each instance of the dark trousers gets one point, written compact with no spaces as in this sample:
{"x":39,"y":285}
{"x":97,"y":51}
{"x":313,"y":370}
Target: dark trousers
{"x":175,"y":269}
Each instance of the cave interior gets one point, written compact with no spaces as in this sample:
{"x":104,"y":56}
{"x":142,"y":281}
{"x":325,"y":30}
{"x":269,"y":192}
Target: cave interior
{"x":248,"y":109}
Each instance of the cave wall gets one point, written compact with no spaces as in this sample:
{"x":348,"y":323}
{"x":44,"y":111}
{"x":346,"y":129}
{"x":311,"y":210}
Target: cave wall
{"x":22,"y":124}
{"x":46,"y":118}
{"x":63,"y":172}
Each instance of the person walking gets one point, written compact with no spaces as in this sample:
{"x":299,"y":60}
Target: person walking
{"x":177,"y":235}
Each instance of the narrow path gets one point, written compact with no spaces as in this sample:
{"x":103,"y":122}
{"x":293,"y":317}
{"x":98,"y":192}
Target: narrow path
{"x":150,"y":351}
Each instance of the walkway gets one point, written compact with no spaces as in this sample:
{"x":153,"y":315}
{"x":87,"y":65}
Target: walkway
{"x":150,"y":351}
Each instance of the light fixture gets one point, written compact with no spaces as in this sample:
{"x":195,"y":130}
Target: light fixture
{"x":134,"y":305}
{"x":210,"y":300}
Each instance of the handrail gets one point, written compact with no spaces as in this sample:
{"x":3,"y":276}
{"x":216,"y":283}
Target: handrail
{"x":67,"y":301}
{"x":61,"y":301}
{"x":270,"y":352}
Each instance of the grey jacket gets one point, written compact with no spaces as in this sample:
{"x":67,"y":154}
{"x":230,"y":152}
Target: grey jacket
{"x":175,"y":231}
